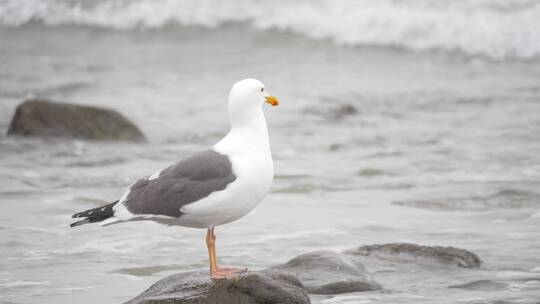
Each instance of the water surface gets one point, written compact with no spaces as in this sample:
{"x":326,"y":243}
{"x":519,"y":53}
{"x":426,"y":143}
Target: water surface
{"x":371,"y":145}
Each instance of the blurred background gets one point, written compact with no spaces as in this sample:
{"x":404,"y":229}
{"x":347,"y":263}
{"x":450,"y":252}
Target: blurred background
{"x":400,"y":121}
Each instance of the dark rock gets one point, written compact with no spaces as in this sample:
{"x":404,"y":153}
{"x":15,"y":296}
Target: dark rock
{"x":405,"y":252}
{"x":267,"y":287}
{"x":328,"y":272}
{"x":41,"y":118}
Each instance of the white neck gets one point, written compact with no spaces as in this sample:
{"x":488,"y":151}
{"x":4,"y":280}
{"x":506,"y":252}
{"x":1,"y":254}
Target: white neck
{"x":246,"y":135}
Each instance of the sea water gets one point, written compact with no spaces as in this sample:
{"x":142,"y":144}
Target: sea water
{"x":413,"y":121}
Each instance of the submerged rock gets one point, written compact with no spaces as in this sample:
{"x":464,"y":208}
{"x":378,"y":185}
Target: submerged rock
{"x":328,"y":272}
{"x":406,"y":252}
{"x":333,"y":112}
{"x":269,"y":287}
{"x":42,"y":118}
{"x":146,"y":271}
{"x":343,"y":110}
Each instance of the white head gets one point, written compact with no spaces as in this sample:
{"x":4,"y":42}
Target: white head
{"x":246,"y":99}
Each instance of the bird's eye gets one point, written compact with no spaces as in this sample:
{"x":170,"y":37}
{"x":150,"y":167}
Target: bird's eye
{"x":262,"y":89}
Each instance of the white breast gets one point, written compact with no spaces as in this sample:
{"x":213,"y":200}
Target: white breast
{"x":249,"y":152}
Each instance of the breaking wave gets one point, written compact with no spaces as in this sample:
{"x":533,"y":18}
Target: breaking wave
{"x":499,"y":29}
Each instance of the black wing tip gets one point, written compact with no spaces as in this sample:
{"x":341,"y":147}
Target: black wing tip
{"x":81,"y":214}
{"x":81,"y":222}
{"x":96,"y":211}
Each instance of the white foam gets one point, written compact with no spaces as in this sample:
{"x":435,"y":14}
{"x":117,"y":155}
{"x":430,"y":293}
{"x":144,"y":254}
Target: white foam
{"x":535,"y":269}
{"x":496,"y":28}
{"x":17,"y":284}
{"x":124,"y":244}
{"x":298,"y":235}
{"x":516,"y":275}
{"x":113,"y":245}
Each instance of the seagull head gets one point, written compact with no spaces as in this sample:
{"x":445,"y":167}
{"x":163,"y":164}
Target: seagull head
{"x":247,"y":98}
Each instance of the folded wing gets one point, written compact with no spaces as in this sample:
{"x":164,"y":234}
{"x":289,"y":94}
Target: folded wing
{"x":185,"y":182}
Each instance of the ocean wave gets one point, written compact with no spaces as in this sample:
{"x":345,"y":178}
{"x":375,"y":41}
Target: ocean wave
{"x":499,"y":29}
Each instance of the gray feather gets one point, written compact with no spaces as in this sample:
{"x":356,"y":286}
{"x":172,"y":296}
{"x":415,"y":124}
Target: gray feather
{"x":180,"y":184}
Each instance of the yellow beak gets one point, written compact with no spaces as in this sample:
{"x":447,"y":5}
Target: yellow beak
{"x":271,"y":100}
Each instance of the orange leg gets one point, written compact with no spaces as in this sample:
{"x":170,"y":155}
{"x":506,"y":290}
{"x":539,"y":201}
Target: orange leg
{"x":211,"y":244}
{"x":215,"y":271}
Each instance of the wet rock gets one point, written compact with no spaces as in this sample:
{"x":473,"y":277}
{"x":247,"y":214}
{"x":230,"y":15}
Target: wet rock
{"x":328,"y":272}
{"x":267,"y":287}
{"x":42,"y":118}
{"x":406,"y":252}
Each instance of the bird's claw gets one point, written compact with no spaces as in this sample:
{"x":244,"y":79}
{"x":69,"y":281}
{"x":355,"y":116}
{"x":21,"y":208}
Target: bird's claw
{"x":226,"y":272}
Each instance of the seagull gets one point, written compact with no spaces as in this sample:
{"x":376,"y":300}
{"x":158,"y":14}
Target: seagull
{"x":210,"y":188}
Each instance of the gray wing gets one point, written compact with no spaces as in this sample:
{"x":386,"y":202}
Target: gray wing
{"x":183,"y":183}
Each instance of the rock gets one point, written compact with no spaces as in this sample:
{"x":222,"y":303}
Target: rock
{"x":42,"y":118}
{"x":328,"y":272}
{"x":267,"y":287}
{"x":318,"y":272}
{"x":405,"y":252}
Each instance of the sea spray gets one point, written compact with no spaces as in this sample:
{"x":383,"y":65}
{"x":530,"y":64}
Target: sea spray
{"x":499,"y":29}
